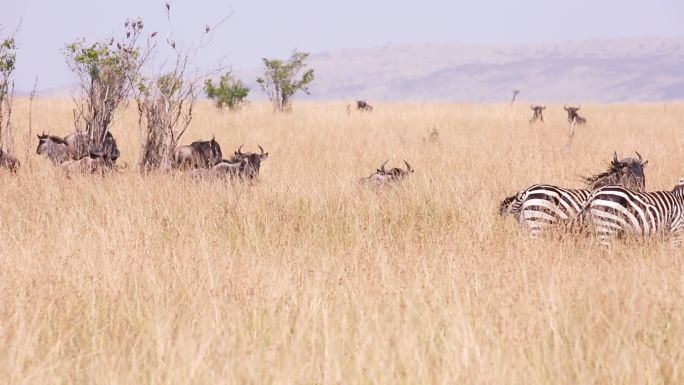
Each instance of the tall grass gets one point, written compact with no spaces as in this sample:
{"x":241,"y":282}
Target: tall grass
{"x":307,"y":278}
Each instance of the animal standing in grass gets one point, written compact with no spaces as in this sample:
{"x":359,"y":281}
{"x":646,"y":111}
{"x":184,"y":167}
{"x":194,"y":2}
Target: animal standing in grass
{"x":362,"y":105}
{"x":542,"y":207}
{"x":199,"y":154}
{"x":612,"y":211}
{"x":382,"y":176}
{"x":573,"y":116}
{"x":243,"y":166}
{"x":538,"y":116}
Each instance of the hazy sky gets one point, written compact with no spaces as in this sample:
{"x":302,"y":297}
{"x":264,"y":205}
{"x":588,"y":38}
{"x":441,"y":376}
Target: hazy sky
{"x":260,"y":28}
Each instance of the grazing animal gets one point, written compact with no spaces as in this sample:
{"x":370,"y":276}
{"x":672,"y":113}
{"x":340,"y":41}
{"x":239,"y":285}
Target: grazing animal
{"x":541,"y":207}
{"x":75,"y":146}
{"x":8,"y":161}
{"x":55,"y":148}
{"x":361,"y":105}
{"x":537,"y":113}
{"x":573,"y":116}
{"x":241,"y":165}
{"x":95,"y":163}
{"x":382,"y":176}
{"x":613,"y":211}
{"x":200,"y":154}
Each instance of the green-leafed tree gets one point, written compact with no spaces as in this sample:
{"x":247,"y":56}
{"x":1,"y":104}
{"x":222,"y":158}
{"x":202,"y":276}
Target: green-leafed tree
{"x":8,"y":58}
{"x":282,"y":79}
{"x":228,"y":92}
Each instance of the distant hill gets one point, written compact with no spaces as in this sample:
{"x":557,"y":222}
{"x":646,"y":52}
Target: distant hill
{"x":635,"y":69}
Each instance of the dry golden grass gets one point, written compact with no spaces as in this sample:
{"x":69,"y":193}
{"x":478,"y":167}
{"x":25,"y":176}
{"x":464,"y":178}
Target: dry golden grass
{"x":305,"y":278}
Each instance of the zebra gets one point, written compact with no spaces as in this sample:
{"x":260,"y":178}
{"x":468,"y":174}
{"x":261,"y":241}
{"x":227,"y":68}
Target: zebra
{"x":541,"y":207}
{"x":612,"y":211}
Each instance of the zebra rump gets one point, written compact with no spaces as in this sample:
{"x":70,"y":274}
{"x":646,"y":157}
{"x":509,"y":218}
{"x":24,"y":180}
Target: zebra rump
{"x":613,"y":211}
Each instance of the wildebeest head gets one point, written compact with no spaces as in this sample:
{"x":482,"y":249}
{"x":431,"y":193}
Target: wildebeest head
{"x":573,"y":116}
{"x":54,"y":147}
{"x":251,"y":161}
{"x":627,"y":172}
{"x":208,"y":152}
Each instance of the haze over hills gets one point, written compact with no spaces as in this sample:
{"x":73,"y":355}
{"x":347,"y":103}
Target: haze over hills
{"x":634,"y":69}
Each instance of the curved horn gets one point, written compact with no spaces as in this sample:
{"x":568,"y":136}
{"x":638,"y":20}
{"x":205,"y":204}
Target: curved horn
{"x":382,"y":168}
{"x":408,"y":166}
{"x":639,"y":155}
{"x":239,"y":150}
{"x":261,"y":149}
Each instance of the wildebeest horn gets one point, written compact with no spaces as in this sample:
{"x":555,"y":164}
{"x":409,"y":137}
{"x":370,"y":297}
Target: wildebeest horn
{"x":408,"y":166}
{"x":615,"y":159}
{"x":239,"y":150}
{"x":639,"y":155}
{"x":382,"y":168}
{"x":261,"y":149}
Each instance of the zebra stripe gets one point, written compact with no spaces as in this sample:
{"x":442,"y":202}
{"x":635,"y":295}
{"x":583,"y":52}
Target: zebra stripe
{"x":613,"y":211}
{"x":542,"y":207}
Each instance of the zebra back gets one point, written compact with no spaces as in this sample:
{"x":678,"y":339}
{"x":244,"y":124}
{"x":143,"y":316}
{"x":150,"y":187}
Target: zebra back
{"x":614,"y":210}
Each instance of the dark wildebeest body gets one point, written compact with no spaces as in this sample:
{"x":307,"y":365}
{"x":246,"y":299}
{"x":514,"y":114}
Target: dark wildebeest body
{"x":8,"y":161}
{"x":537,"y":113}
{"x":383,"y":176}
{"x":573,"y":116}
{"x":200,"y":154}
{"x":361,"y":105}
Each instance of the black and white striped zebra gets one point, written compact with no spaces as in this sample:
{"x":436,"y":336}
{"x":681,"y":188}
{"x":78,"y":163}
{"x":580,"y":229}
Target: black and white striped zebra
{"x":542,"y":207}
{"x":613,"y":211}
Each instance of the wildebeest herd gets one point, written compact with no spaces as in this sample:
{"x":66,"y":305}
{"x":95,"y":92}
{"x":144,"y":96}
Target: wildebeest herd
{"x":614,"y":202}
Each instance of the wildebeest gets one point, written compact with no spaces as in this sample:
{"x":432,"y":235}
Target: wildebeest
{"x":55,"y":148}
{"x":573,"y":115}
{"x":383,"y":176}
{"x":537,"y":113}
{"x":8,"y":161}
{"x":75,"y":146}
{"x":97,"y":162}
{"x":242,"y":165}
{"x":627,"y":172}
{"x":200,"y":154}
{"x":361,"y":105}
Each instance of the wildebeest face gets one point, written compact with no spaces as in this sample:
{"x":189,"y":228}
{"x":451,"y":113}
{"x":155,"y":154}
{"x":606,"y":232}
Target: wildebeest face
{"x":42,"y":144}
{"x":252,"y":161}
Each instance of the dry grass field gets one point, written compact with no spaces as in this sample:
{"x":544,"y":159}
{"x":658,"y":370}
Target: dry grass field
{"x":307,"y":278}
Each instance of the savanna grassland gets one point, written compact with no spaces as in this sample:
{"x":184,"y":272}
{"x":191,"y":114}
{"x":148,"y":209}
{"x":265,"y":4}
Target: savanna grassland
{"x":307,"y":278}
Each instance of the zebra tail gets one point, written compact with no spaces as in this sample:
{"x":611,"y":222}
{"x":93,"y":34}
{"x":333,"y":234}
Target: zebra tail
{"x":505,"y":206}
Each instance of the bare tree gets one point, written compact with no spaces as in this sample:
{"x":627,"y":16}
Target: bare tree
{"x":515,"y":95}
{"x":165,"y":103}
